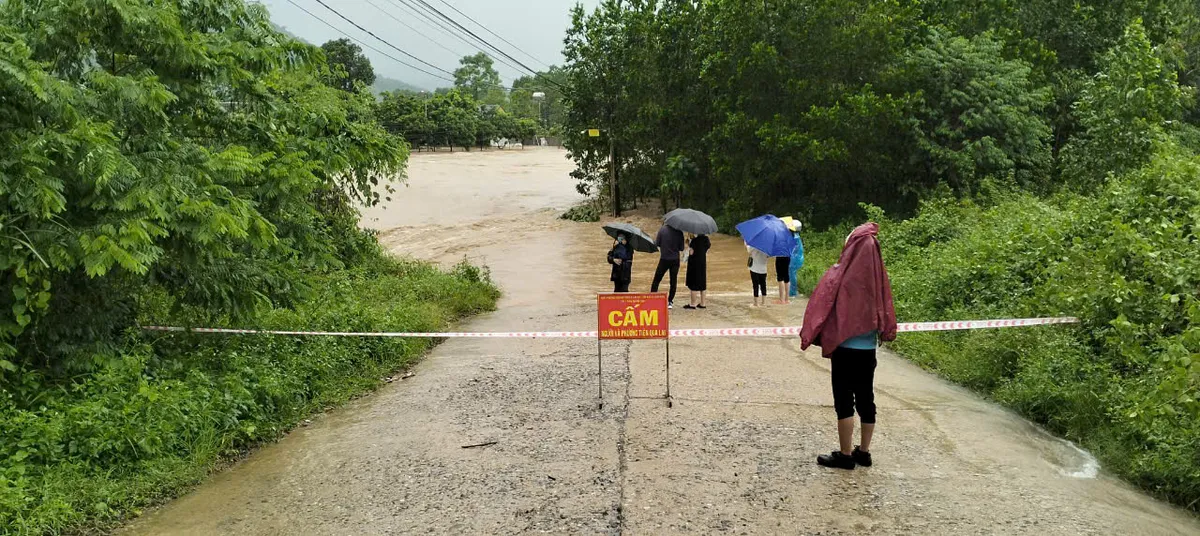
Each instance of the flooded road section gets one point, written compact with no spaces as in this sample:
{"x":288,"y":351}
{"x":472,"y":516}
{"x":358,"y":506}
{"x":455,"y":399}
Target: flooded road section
{"x":734,"y":455}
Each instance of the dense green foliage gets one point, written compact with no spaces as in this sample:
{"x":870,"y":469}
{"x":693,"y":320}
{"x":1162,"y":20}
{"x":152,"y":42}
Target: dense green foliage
{"x":451,"y":119}
{"x":1044,"y":153}
{"x":812,"y":106}
{"x":183,"y":146}
{"x":477,"y":110}
{"x":182,"y":162}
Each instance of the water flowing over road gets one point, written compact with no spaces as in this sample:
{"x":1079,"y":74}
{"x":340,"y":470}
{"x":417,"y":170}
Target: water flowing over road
{"x":735,"y":454}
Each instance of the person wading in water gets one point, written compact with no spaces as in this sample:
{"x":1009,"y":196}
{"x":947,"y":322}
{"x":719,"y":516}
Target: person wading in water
{"x":849,"y":310}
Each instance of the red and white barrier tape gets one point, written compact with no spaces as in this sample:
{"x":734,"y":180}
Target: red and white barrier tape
{"x":710,"y":332}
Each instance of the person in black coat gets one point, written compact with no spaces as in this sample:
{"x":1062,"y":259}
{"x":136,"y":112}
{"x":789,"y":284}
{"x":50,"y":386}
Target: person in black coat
{"x":697,"y":271}
{"x":621,"y":259}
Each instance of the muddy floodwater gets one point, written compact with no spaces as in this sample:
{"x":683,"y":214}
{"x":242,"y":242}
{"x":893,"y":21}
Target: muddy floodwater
{"x":734,"y":455}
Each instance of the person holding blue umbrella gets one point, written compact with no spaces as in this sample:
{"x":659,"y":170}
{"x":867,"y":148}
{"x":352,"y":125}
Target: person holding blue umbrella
{"x":765,"y":236}
{"x":768,"y":235}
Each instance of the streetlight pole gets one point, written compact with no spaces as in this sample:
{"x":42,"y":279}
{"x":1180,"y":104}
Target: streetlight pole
{"x":540,"y":97}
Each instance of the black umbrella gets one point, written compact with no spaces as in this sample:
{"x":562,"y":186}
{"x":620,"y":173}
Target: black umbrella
{"x":638,"y":239}
{"x":691,"y":221}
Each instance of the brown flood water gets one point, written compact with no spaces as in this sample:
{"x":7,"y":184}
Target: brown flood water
{"x":735,"y":454}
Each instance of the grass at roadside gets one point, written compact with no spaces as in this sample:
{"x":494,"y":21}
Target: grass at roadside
{"x":159,"y":416}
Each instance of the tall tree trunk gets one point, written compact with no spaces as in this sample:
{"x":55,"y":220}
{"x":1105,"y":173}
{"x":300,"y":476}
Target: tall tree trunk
{"x":612,"y":162}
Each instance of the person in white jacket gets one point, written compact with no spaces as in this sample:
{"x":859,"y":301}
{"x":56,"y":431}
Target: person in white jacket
{"x":758,"y":273}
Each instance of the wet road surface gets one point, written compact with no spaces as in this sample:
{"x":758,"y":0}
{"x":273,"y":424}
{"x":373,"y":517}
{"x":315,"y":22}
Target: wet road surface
{"x":734,"y":455}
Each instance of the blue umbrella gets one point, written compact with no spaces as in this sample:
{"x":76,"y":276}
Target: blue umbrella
{"x":769,"y":235}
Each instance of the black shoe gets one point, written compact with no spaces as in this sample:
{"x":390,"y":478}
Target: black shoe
{"x":836,"y":460}
{"x":701,"y":307}
{"x":689,"y":307}
{"x":860,"y":457}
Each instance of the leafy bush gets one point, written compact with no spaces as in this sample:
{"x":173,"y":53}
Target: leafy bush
{"x":588,"y":211}
{"x":155,"y":417}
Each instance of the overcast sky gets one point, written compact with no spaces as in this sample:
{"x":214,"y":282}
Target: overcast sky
{"x":534,"y":26}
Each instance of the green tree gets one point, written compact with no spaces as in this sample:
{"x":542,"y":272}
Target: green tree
{"x":349,"y":66}
{"x":184,"y":146}
{"x":476,"y":77}
{"x":1123,"y":111}
{"x":974,"y":113}
{"x":456,"y":116}
{"x":525,"y":130}
{"x":489,"y":125}
{"x":406,"y":113}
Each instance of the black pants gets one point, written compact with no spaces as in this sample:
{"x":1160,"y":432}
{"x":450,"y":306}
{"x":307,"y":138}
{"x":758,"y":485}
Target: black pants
{"x":665,"y":266}
{"x":853,"y":373}
{"x":759,"y":281}
{"x":782,"y":269}
{"x":620,"y":286}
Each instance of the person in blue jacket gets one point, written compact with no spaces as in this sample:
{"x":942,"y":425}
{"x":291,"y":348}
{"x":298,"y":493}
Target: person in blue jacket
{"x":797,"y":260}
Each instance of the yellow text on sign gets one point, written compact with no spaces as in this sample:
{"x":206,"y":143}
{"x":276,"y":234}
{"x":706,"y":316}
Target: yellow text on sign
{"x":631,"y":318}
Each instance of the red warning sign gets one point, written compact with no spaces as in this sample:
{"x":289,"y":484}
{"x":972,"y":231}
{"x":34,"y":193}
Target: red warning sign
{"x":632,"y":316}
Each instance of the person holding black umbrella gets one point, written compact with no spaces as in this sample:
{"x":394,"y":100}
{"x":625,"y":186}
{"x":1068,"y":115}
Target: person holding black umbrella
{"x":697,"y":271}
{"x":621,"y":259}
{"x":670,"y":244}
{"x":627,"y":238}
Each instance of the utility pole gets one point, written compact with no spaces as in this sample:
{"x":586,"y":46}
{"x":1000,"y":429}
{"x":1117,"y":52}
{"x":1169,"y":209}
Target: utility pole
{"x":612,"y":163}
{"x":614,"y":191}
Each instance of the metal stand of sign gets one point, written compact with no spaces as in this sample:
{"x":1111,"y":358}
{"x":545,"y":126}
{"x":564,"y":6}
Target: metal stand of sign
{"x":599,"y":373}
{"x":670,"y":402}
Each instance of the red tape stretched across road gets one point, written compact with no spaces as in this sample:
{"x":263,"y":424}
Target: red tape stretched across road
{"x":905,"y":327}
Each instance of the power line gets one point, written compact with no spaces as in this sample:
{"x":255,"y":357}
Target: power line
{"x":418,"y":32}
{"x":356,"y":40}
{"x":409,"y":65}
{"x":484,"y":41}
{"x":427,"y":15}
{"x":485,"y":28}
{"x":380,"y":39}
{"x":467,"y":31}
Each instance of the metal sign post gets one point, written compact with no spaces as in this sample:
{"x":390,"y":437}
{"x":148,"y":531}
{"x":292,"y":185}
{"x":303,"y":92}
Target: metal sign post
{"x":627,"y":316}
{"x":670,"y":401}
{"x":600,"y":372}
